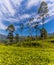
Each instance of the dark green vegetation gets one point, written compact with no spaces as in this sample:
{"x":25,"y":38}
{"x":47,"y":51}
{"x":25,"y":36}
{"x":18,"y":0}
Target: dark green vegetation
{"x":11,"y":29}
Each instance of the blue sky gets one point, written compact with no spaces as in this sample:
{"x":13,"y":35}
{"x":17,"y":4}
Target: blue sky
{"x":20,"y":11}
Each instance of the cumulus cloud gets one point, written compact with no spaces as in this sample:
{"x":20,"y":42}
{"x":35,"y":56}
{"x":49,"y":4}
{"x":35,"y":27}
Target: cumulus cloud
{"x":51,"y":8}
{"x":32,"y":3}
{"x":16,"y":2}
{"x":7,"y":11}
{"x":9,"y":8}
{"x":24,"y":16}
{"x":50,"y":3}
{"x":6,"y":7}
{"x":2,"y":26}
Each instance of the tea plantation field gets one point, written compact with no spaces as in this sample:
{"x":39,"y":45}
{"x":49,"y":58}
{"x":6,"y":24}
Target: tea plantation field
{"x":13,"y":55}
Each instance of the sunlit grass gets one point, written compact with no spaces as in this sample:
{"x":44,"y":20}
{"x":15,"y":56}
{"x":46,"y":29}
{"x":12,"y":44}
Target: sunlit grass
{"x":14,"y":55}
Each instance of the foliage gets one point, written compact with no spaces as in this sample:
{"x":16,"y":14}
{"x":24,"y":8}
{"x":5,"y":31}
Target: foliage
{"x":11,"y":29}
{"x":21,"y":27}
{"x":12,"y":55}
{"x":43,"y":10}
{"x":43,"y":33}
{"x":43,"y":13}
{"x":17,"y":38}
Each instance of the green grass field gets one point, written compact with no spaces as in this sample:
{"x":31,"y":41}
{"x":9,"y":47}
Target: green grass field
{"x":39,"y":55}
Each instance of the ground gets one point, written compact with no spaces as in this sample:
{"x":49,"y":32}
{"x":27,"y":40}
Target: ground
{"x":14,"y":55}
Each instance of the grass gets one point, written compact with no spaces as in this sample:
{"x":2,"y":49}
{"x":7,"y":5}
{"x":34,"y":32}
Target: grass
{"x":39,"y":55}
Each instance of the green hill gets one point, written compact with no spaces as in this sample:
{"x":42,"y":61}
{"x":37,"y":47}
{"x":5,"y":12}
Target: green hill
{"x":38,"y":55}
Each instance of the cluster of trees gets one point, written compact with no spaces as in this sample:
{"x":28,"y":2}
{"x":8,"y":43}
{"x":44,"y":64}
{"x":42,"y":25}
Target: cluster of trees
{"x":43,"y":13}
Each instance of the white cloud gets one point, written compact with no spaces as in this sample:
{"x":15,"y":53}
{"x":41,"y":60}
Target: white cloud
{"x":6,"y":7}
{"x":50,"y":3}
{"x":2,"y":26}
{"x":7,"y":10}
{"x":32,"y":3}
{"x":24,"y":16}
{"x":17,"y":2}
{"x":9,"y":7}
{"x":40,"y":23}
{"x":51,"y":8}
{"x":17,"y":19}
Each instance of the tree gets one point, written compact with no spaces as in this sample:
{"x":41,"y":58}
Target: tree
{"x":36,"y":28}
{"x":21,"y":27}
{"x":17,"y":38}
{"x":43,"y":12}
{"x":43,"y":33}
{"x":21,"y":30}
{"x":30,"y":28}
{"x":10,"y":29}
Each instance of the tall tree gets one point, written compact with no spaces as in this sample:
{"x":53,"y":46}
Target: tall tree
{"x":43,"y":32}
{"x":10,"y":29}
{"x":17,"y":38}
{"x":21,"y":30}
{"x":21,"y":27}
{"x":43,"y":12}
{"x":30,"y":28}
{"x":36,"y":28}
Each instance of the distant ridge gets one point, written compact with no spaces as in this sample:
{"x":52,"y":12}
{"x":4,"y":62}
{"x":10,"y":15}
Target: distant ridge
{"x":51,"y":34}
{"x":2,"y":37}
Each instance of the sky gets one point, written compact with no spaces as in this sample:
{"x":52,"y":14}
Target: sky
{"x":20,"y":11}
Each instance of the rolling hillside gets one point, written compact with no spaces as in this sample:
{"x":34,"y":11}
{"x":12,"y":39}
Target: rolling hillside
{"x":41,"y":54}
